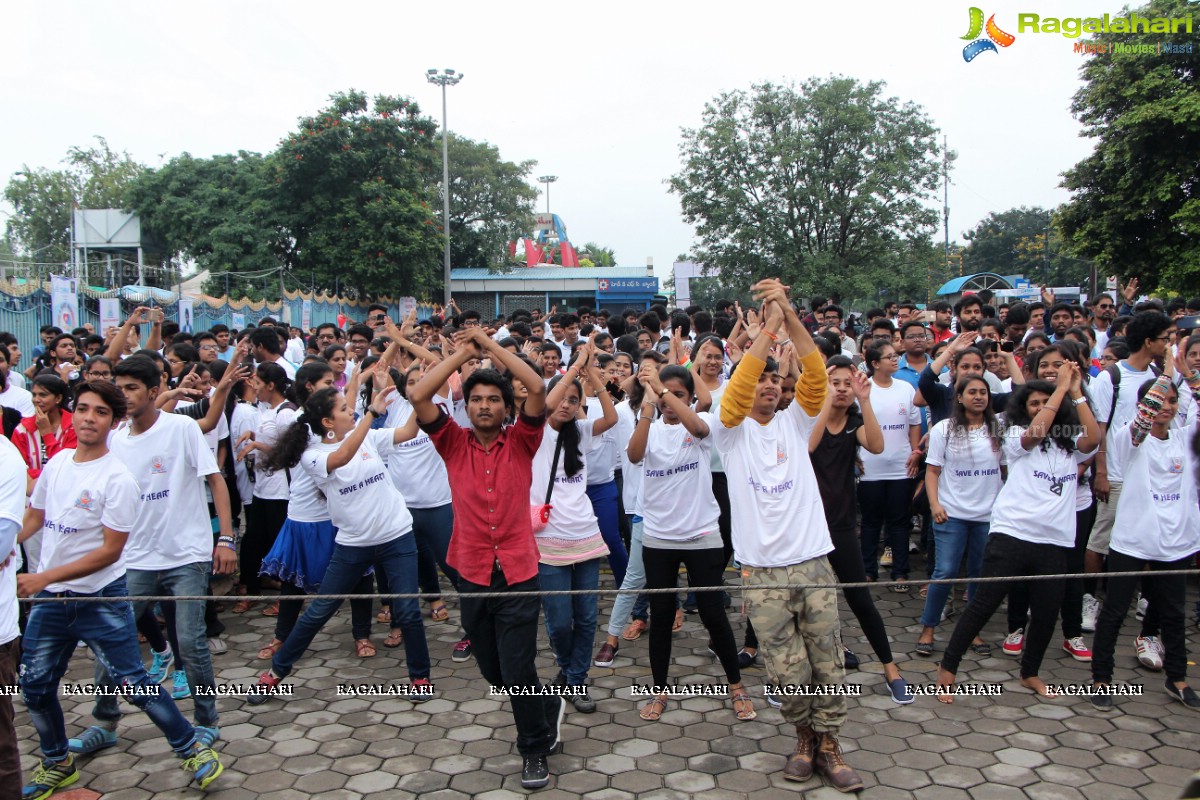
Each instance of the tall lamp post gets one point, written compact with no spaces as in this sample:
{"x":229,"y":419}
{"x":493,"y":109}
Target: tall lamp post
{"x":548,"y":179}
{"x":444,"y":78}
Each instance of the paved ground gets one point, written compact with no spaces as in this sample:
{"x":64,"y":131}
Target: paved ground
{"x":460,"y":745}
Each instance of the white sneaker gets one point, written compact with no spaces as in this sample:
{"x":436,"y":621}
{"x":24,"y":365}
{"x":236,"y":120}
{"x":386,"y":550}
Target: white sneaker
{"x":1158,"y":648}
{"x":913,"y":547}
{"x":1142,"y":605}
{"x":217,"y":646}
{"x":1149,"y":652}
{"x":1091,"y":610}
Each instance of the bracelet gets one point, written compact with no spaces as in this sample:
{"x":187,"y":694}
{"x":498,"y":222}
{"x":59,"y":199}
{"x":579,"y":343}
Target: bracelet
{"x":1052,"y":408}
{"x":1079,"y":401}
{"x":774,"y":336}
{"x":224,"y":538}
{"x":371,"y":410}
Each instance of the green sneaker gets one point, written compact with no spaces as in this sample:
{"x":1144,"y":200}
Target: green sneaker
{"x":49,"y":777}
{"x":205,"y":765}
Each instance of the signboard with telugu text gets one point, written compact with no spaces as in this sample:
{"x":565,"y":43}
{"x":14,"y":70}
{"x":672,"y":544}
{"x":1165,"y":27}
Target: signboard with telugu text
{"x":627,"y":285}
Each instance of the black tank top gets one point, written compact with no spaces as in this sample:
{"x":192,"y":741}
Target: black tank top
{"x":833,"y":462}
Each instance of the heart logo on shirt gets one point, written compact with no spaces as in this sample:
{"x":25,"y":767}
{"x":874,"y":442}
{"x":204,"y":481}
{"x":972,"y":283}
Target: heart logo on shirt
{"x":1057,"y":488}
{"x":157,"y":466}
{"x":85,"y":501}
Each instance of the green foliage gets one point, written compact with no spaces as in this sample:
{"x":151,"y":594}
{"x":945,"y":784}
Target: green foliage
{"x":599,"y":256}
{"x":1135,"y":205}
{"x":823,"y":185}
{"x":1013,"y":242}
{"x":42,"y":199}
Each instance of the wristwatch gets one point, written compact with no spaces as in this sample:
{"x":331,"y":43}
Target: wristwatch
{"x":664,"y":392}
{"x":1079,"y":400}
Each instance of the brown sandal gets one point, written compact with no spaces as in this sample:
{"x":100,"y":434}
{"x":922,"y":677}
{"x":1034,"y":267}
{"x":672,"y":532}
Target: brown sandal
{"x":272,"y":610}
{"x":743,"y":706}
{"x":242,"y":606}
{"x":385,"y":615}
{"x":364,"y":648}
{"x":633,"y":631}
{"x":654,"y":710}
{"x":394,"y":639}
{"x":268,"y":652}
{"x":438,"y":611}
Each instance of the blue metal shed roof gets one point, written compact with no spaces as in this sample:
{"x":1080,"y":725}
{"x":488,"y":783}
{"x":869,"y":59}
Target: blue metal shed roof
{"x":988,"y":278}
{"x":560,"y":273}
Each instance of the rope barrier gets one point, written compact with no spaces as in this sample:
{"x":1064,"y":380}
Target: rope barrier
{"x":599,"y":591}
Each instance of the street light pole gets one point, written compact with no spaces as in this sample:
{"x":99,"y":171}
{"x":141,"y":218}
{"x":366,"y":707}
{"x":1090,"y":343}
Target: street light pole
{"x":548,"y":179}
{"x":446,"y":77}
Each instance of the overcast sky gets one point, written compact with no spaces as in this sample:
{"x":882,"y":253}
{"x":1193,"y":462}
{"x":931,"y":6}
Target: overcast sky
{"x":597,"y":97}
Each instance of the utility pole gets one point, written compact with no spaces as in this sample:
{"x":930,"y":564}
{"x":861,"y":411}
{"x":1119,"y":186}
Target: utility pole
{"x":1046,"y":254}
{"x":945,"y":212}
{"x":446,"y":77}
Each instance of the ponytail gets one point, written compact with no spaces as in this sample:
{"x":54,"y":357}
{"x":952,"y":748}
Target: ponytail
{"x":568,"y":435}
{"x":272,"y":373}
{"x":295,"y":440}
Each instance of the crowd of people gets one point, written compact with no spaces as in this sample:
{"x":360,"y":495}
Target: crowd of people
{"x":510,"y":459}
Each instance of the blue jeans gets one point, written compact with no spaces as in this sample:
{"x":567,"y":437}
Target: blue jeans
{"x":190,"y":630}
{"x":952,"y":538}
{"x":51,"y":634}
{"x":635,"y":578}
{"x":431,"y":529}
{"x":398,"y":560}
{"x":604,"y":506}
{"x":571,"y":620}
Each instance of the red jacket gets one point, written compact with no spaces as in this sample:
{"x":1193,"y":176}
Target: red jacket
{"x":28,"y":441}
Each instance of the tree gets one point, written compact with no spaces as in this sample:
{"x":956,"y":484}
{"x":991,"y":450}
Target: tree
{"x":219,"y":212}
{"x":823,"y":185}
{"x":491,"y":204}
{"x":1135,"y":205}
{"x":1013,"y":242}
{"x":43,"y":199}
{"x":597,"y":255}
{"x":355,"y":197}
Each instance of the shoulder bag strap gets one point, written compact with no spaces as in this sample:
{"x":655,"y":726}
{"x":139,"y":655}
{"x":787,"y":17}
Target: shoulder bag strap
{"x":554,"y":468}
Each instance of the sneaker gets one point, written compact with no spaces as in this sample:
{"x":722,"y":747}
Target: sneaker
{"x":583,"y":703}
{"x":1187,"y":695}
{"x":1091,"y":610}
{"x":217,"y":646}
{"x":849,"y":659}
{"x":535,"y":772}
{"x":608,"y":652}
{"x":916,"y":524}
{"x":160,"y":666}
{"x":901,"y":693}
{"x":204,"y":764}
{"x":93,"y":739}
{"x":1148,"y":654}
{"x":773,"y":699}
{"x":1077,"y":649}
{"x":267,"y":685}
{"x":1142,"y":605}
{"x":830,"y":763}
{"x":885,"y":560}
{"x":462,"y":651}
{"x":422,"y":690}
{"x":746,"y":660}
{"x":913,"y":547}
{"x":207,"y":736}
{"x":560,"y":715}
{"x":1014,"y":643}
{"x":1101,"y":702}
{"x":49,"y":777}
{"x":179,"y":685}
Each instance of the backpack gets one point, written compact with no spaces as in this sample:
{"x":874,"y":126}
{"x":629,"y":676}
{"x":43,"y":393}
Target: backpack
{"x":1114,"y":374}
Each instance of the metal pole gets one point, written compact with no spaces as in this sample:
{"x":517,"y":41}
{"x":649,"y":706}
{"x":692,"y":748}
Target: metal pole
{"x":446,"y":193}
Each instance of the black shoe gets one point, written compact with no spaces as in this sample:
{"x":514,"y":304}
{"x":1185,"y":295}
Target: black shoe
{"x":1101,"y":702}
{"x":849,"y":658}
{"x":583,"y":703}
{"x":556,"y":720}
{"x":535,"y":772}
{"x":1187,"y":695}
{"x":746,"y":660}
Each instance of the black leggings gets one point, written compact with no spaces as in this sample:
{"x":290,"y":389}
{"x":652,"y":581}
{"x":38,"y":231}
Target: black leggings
{"x":846,"y":560}
{"x":1167,"y":595}
{"x":1072,"y":603}
{"x":264,"y":520}
{"x":360,"y":610}
{"x":1003,"y":556}
{"x":704,"y":568}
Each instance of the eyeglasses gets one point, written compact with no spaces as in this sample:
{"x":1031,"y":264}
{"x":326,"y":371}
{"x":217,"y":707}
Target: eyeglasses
{"x":915,"y":337}
{"x":99,"y":374}
{"x":1105,"y":305}
{"x":1165,"y":338}
{"x":208,"y":347}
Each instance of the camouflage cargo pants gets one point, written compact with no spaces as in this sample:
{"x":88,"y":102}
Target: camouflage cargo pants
{"x":799,"y":632}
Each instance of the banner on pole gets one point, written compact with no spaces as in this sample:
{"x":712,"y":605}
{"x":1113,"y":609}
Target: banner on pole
{"x":185,"y":315}
{"x":237,"y":321}
{"x":306,"y":315}
{"x":64,"y":302}
{"x":110,"y":314}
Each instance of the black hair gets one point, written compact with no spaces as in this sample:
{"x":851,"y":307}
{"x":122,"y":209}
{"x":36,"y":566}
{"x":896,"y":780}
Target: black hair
{"x":835,"y":309}
{"x":141,"y":368}
{"x":292,"y":443}
{"x":311,"y":372}
{"x":958,"y":414}
{"x":771,"y":366}
{"x":1018,"y":314}
{"x":267,"y":339}
{"x":702,"y":322}
{"x":967,"y":302}
{"x":723,"y":325}
{"x":62,"y":337}
{"x":1063,"y":306}
{"x":568,"y":434}
{"x":828,"y":347}
{"x":490,"y":377}
{"x":681,"y":321}
{"x":712,"y":339}
{"x":111,"y":396}
{"x":972,"y":350}
{"x":939,"y":306}
{"x":220,"y":327}
{"x":359,"y":329}
{"x":674,"y":372}
{"x":330,"y":351}
{"x":272,"y":373}
{"x":1037,"y":335}
{"x":1065,"y":421}
{"x":883,"y":323}
{"x":185,"y":352}
{"x":650,"y":322}
{"x":1144,"y":326}
{"x":1119,"y":347}
{"x":874,"y":352}
{"x":627,"y":343}
{"x":601,"y":338}
{"x":56,"y":386}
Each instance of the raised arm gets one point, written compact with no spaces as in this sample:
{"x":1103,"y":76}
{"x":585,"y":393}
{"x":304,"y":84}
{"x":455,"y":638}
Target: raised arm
{"x":116,"y":347}
{"x":609,"y":418}
{"x":739,"y":393}
{"x":518,"y":370}
{"x":813,"y":382}
{"x":870,"y":435}
{"x":1039,"y":427}
{"x":582,"y":357}
{"x":682,"y":408}
{"x":353,"y":441}
{"x":421,"y":395}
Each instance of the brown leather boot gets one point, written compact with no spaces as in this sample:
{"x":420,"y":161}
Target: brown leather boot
{"x":830,"y":763}
{"x":799,"y":765}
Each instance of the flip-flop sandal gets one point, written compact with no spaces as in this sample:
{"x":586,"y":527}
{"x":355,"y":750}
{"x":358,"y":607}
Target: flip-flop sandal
{"x":268,"y":652}
{"x":981,"y":649}
{"x":242,"y":606}
{"x":271,"y":610}
{"x":743,"y":706}
{"x":394,"y":639}
{"x":924,"y":648}
{"x":924,"y":592}
{"x":678,"y":624}
{"x":633,"y":631}
{"x":439,"y":613}
{"x":654,"y":710}
{"x":363,"y":648}
{"x":385,"y":615}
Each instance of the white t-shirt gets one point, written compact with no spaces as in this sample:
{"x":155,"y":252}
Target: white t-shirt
{"x":243,"y":419}
{"x":80,"y":500}
{"x":363,"y":504}
{"x":306,"y":503}
{"x":415,"y":467}
{"x":571,"y":515}
{"x":776,"y":510}
{"x":895,"y":411}
{"x":294,"y":352}
{"x":602,"y":456}
{"x":1101,"y":391}
{"x":1157,"y":518}
{"x":631,"y":474}
{"x":169,"y":462}
{"x":970,"y":478}
{"x":677,"y":498}
{"x":12,"y":511}
{"x":17,"y":398}
{"x":714,"y":463}
{"x":272,"y":422}
{"x":288,"y":367}
{"x":1037,"y":503}
{"x":212,"y":438}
